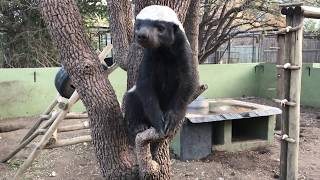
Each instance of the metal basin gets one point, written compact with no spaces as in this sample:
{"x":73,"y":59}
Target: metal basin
{"x":227,"y":109}
{"x":218,"y":108}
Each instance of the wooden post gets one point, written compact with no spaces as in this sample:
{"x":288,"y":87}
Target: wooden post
{"x":281,"y":75}
{"x":295,"y":91}
{"x":291,"y":114}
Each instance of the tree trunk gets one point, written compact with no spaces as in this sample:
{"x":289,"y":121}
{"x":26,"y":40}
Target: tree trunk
{"x":191,"y":25}
{"x":121,"y":27}
{"x":107,"y":127}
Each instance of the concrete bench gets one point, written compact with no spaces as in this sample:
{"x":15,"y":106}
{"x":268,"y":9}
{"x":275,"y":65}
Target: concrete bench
{"x":224,"y":125}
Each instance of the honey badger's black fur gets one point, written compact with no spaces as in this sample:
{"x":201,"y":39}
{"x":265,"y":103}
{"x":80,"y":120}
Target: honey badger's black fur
{"x":166,"y":78}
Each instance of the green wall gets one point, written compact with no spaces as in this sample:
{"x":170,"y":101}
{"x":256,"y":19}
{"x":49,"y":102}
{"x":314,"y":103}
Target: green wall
{"x":310,"y":93}
{"x":27,"y":92}
{"x":310,"y":87}
{"x":20,"y":95}
{"x":229,"y":80}
{"x":267,"y":80}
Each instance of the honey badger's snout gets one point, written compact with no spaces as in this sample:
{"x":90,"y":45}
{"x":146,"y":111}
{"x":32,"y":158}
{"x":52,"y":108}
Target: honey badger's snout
{"x":142,"y":34}
{"x":147,"y":37}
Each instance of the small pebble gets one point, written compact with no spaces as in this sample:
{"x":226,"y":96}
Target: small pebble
{"x":53,"y":174}
{"x":220,"y":178}
{"x":276,"y":175}
{"x":85,"y":144}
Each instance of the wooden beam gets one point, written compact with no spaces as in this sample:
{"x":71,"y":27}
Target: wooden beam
{"x":61,"y":115}
{"x":71,"y":141}
{"x":76,"y":116}
{"x":42,"y":118}
{"x":23,"y":144}
{"x":311,"y":12}
{"x":294,"y":4}
{"x":83,"y":125}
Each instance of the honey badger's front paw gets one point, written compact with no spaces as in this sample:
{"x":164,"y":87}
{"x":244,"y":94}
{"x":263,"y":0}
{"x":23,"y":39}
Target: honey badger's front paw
{"x":170,"y":122}
{"x":160,"y":127}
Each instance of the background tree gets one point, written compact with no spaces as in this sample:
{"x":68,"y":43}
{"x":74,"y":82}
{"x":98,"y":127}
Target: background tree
{"x":311,"y":25}
{"x":222,"y":20}
{"x":24,"y":39}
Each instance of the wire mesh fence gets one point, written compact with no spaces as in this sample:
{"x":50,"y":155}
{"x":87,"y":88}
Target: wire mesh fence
{"x":254,"y":47}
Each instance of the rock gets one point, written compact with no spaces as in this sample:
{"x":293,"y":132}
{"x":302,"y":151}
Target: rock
{"x":276,"y":174}
{"x":302,"y":177}
{"x":53,"y":174}
{"x":220,"y":178}
{"x":233,"y":174}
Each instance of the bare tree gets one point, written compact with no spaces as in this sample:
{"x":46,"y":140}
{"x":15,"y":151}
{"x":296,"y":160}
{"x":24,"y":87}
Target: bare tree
{"x":110,"y":138}
{"x":222,"y":20}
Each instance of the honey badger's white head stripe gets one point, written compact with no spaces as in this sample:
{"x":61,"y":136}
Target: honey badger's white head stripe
{"x":159,"y":13}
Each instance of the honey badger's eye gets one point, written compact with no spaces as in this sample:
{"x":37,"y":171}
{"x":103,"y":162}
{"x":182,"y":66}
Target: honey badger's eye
{"x":160,"y":28}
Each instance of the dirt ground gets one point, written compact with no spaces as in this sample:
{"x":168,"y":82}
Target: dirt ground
{"x":78,"y":161}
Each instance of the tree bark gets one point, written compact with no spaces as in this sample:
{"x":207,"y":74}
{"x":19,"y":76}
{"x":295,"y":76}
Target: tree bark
{"x":191,"y":25}
{"x":121,"y":27}
{"x":107,"y":127}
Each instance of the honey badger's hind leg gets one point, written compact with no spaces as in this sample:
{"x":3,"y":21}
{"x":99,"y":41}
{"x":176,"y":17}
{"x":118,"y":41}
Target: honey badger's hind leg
{"x":134,"y":116}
